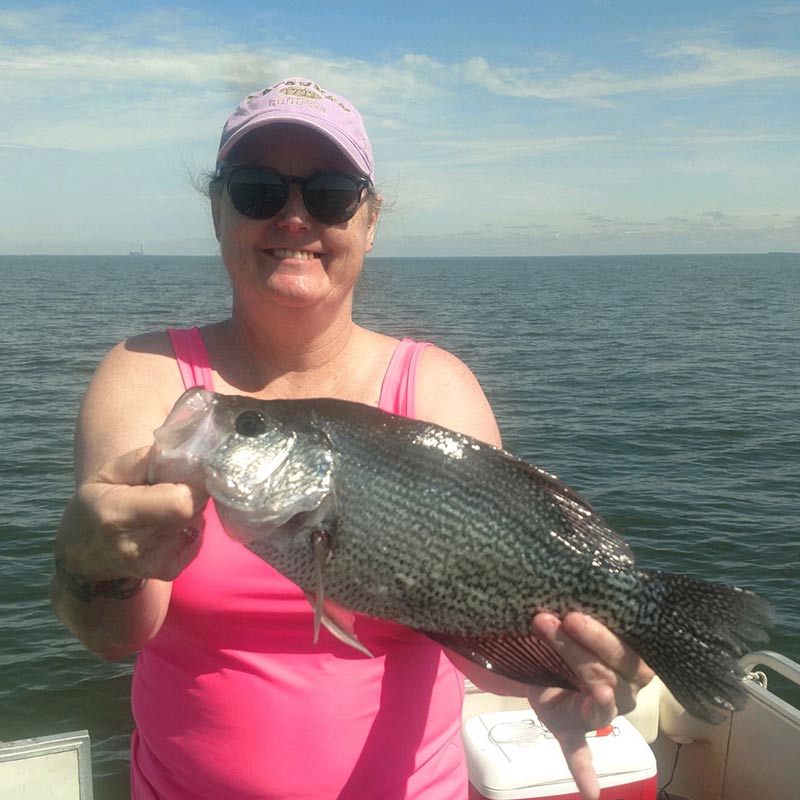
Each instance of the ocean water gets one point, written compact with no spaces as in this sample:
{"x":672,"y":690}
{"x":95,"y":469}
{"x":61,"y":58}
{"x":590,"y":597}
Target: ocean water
{"x":665,"y":388}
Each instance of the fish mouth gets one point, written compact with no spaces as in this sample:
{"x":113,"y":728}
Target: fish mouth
{"x":225,"y":490}
{"x":179,"y":443}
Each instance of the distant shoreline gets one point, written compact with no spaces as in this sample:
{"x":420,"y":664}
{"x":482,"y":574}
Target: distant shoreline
{"x":143,"y":256}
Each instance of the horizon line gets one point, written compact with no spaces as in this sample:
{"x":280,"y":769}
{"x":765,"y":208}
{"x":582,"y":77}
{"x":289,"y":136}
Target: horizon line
{"x":139,"y":255}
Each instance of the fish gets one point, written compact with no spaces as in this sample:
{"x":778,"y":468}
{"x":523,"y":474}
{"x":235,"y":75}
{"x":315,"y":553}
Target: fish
{"x":407,"y":521}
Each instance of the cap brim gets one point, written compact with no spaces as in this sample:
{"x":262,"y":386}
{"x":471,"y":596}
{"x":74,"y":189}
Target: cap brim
{"x":342,"y":141}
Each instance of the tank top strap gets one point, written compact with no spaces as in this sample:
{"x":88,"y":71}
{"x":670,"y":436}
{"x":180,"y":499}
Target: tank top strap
{"x":192,"y":357}
{"x":398,"y":390}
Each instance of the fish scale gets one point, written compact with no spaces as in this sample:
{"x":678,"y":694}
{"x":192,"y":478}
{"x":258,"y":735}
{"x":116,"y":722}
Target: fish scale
{"x":407,"y":521}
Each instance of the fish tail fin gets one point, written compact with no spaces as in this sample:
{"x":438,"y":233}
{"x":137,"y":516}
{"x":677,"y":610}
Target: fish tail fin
{"x":692,"y":634}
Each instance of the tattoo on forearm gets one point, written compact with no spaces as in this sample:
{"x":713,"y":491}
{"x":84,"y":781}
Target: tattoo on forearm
{"x":84,"y":589}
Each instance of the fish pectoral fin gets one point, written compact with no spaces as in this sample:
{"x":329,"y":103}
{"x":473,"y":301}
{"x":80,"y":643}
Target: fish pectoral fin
{"x":526,"y":659}
{"x":338,"y":621}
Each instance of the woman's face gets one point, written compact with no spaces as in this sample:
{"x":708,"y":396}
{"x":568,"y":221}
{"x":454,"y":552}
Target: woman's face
{"x":291,"y":259}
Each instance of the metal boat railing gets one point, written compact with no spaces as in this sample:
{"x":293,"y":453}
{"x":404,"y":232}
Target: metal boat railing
{"x":758,"y":684}
{"x":774,"y":661}
{"x":46,"y":767}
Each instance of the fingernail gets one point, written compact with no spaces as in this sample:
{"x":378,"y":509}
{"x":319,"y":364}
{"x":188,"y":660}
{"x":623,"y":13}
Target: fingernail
{"x":576,"y":621}
{"x":545,"y":624}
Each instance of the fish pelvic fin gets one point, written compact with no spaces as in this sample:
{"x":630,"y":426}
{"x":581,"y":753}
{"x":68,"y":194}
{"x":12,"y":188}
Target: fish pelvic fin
{"x":321,"y":545}
{"x":692,"y":633}
{"x":336,"y":620}
{"x":339,"y":621}
{"x":526,"y":659}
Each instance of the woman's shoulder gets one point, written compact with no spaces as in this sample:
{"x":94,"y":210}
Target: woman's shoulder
{"x":140,"y":347}
{"x":446,"y":390}
{"x":130,"y":394}
{"x":449,"y":394}
{"x":145,"y":361}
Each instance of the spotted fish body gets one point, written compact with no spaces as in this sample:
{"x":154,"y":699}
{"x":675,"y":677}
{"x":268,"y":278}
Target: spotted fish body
{"x":410,"y":522}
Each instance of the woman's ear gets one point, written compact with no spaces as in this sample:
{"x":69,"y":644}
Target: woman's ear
{"x":372,"y":225}
{"x":216,"y":200}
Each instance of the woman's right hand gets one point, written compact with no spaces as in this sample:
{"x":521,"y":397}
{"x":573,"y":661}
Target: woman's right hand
{"x":117,"y":526}
{"x":120,"y":544}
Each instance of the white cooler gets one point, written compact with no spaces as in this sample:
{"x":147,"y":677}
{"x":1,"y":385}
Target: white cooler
{"x":512,"y":756}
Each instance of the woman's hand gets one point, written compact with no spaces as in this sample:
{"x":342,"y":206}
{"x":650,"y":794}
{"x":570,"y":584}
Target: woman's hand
{"x":115,"y":534}
{"x":610,"y":674}
{"x":117,"y":526}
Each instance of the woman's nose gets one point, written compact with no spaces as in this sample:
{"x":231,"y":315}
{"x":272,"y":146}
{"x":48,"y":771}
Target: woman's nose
{"x":294,"y":214}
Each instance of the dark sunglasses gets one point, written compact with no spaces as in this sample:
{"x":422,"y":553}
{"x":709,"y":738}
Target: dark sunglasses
{"x":260,"y":192}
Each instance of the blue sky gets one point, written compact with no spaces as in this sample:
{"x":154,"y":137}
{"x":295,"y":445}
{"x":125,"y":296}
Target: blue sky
{"x":511,"y":128}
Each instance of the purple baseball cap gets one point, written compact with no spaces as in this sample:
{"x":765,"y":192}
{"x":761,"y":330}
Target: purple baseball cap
{"x":302,"y":102}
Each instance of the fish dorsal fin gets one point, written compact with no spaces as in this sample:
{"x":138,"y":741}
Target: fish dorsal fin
{"x":582,"y":519}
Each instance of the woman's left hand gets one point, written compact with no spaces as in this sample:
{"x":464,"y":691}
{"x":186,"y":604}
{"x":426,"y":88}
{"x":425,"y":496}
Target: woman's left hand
{"x":610,"y":676}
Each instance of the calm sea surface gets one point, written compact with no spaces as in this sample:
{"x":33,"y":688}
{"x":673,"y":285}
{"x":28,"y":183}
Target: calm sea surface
{"x":665,"y":388}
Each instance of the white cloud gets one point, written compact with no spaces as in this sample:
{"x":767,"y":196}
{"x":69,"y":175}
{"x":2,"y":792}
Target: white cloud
{"x":135,"y":92}
{"x":698,"y":137}
{"x":689,"y":66}
{"x":132,"y":98}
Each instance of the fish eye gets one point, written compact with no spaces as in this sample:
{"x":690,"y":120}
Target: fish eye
{"x":250,"y":423}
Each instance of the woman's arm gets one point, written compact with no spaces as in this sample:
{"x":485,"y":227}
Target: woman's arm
{"x":121,"y":542}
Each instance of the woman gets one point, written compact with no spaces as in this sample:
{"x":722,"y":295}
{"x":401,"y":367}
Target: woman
{"x":230,"y":696}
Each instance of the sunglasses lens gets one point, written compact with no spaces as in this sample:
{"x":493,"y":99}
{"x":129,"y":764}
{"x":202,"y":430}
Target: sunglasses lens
{"x":332,"y":198}
{"x":257,"y":193}
{"x":261,"y":193}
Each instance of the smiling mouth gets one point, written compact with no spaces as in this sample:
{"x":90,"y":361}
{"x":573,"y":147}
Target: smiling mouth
{"x":299,"y":255}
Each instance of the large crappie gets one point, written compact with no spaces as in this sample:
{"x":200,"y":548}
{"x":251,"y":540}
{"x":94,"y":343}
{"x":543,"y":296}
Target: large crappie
{"x":410,"y":522}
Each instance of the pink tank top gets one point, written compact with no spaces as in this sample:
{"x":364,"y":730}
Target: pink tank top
{"x":233,"y":700}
